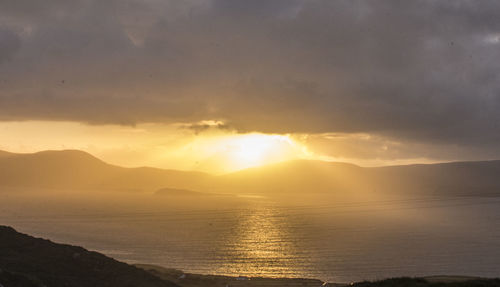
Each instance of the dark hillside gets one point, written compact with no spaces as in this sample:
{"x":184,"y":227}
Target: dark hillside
{"x":29,"y":261}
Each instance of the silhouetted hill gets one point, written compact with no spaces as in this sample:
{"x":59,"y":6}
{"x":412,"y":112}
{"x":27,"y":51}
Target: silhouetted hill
{"x":77,"y":169}
{"x":455,"y":178}
{"x":5,"y":153}
{"x":80,"y":170}
{"x":29,"y":261}
{"x":303,"y":176}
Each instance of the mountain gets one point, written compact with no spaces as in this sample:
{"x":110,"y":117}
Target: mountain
{"x":308,"y":177}
{"x":5,"y":154}
{"x":28,"y":261}
{"x":78,"y":169}
{"x":302,"y":176}
{"x":453,"y":178}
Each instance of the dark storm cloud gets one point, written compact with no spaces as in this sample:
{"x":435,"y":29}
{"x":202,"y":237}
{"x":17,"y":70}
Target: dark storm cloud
{"x":9,"y":44}
{"x":420,"y":70}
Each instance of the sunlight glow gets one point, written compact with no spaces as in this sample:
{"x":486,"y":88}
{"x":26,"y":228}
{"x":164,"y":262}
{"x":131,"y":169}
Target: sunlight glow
{"x":202,"y":146}
{"x":257,"y":149}
{"x":222,"y":152}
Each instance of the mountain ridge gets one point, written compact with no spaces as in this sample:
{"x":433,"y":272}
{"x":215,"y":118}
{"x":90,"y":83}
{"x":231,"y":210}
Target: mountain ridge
{"x":80,"y":170}
{"x":88,"y":155}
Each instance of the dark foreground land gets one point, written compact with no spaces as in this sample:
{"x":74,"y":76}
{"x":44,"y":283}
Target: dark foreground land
{"x":197,"y":280}
{"x":27,"y":261}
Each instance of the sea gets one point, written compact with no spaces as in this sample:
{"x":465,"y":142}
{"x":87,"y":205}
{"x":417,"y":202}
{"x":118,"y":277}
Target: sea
{"x":335,"y":241}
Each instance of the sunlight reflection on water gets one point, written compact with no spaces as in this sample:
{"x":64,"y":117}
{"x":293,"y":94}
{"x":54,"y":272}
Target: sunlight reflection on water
{"x":259,"y":245}
{"x":337,"y":243}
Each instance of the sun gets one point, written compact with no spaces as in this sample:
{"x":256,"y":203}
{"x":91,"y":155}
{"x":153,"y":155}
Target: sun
{"x":252,"y":150}
{"x":219,"y":152}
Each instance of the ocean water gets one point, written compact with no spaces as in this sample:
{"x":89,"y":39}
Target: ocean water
{"x":323,"y":239}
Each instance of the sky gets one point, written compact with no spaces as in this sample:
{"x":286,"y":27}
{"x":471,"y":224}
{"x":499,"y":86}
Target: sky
{"x":136,"y":82}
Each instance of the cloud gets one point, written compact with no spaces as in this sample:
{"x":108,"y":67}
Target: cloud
{"x":425,"y":71}
{"x":205,"y":125}
{"x":9,"y":44}
{"x":373,"y":150}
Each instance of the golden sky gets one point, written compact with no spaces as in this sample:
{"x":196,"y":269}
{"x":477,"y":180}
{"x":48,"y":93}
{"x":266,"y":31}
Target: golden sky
{"x":206,"y":84}
{"x":178,"y":146}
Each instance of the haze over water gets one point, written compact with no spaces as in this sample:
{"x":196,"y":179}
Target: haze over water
{"x":332,"y":241}
{"x":341,"y":140}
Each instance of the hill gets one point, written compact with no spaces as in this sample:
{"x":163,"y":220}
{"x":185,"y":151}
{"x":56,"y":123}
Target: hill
{"x":78,"y":169}
{"x":300,"y":176}
{"x":309,"y":177}
{"x":28,"y":261}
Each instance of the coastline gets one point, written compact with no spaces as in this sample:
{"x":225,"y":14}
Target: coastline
{"x":197,"y":280}
{"x":27,"y":261}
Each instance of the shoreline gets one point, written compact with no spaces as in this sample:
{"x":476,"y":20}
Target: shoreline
{"x":194,"y":280}
{"x":187,"y":279}
{"x":28,"y":261}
